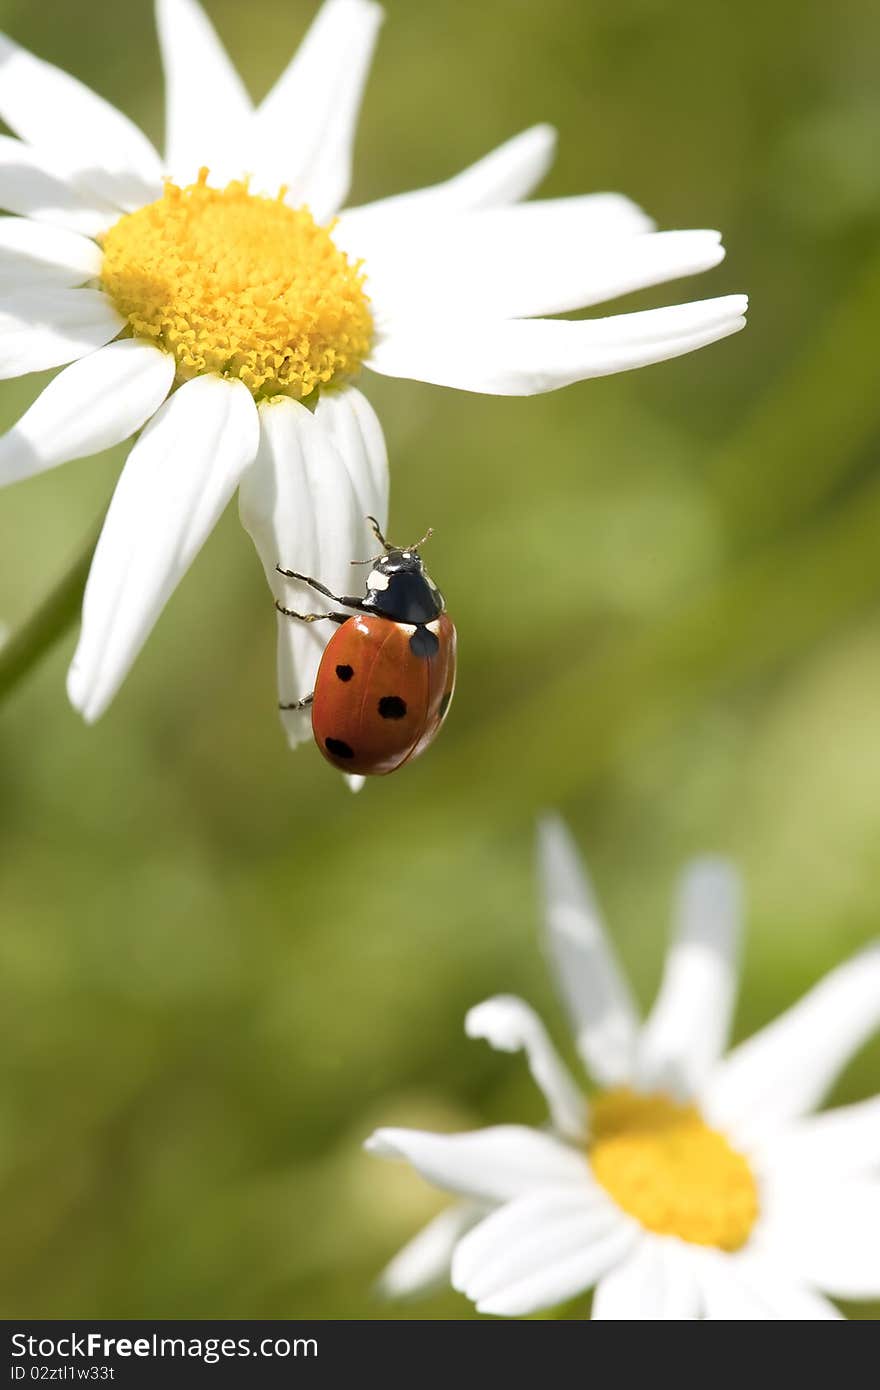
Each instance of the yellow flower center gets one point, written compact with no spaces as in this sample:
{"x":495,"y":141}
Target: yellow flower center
{"x":662,"y":1163}
{"x":242,"y":285}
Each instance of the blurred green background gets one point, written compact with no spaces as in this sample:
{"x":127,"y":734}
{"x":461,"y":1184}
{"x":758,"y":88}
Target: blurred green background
{"x":218,"y":969}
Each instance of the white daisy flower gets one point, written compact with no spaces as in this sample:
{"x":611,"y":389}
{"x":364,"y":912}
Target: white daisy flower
{"x":204,"y":297}
{"x":692,"y":1184}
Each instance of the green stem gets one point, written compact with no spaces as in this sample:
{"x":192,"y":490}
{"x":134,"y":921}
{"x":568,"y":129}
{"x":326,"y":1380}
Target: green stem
{"x":49,"y":622}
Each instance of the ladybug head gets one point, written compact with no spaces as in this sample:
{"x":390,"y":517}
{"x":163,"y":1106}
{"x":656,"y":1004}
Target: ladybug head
{"x":396,"y":561}
{"x":399,"y":587}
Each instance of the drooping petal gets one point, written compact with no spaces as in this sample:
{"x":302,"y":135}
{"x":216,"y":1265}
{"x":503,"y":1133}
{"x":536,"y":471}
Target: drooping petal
{"x":655,"y":1283}
{"x":583,"y":962}
{"x":509,"y":173}
{"x":687,"y":1029}
{"x":207,"y":108}
{"x":521,"y":357}
{"x":318,"y":97}
{"x":840,"y":1143}
{"x":486,"y":1165}
{"x":304,"y":504}
{"x":541,"y":1249}
{"x":784,"y":1070}
{"x":92,"y":405}
{"x":510,"y":1025}
{"x":827,"y":1233}
{"x":55,"y":112}
{"x":425,"y":1261}
{"x":538,"y":258}
{"x":36,"y":253}
{"x":353,"y":426}
{"x":35,"y":185}
{"x":176,"y":482}
{"x":45,"y":327}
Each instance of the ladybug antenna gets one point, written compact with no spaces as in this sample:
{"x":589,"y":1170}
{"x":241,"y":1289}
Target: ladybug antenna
{"x":378,"y":534}
{"x":386,"y":545}
{"x":374,"y":526}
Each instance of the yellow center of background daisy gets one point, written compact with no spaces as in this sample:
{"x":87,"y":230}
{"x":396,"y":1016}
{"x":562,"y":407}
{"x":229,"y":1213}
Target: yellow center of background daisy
{"x":662,"y":1163}
{"x":241,"y":285}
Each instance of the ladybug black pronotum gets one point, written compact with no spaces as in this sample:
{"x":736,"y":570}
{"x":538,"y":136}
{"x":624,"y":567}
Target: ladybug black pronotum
{"x":387,"y":675}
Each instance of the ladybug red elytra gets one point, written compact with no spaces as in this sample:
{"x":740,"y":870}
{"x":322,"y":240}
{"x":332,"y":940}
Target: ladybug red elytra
{"x":387,"y":675}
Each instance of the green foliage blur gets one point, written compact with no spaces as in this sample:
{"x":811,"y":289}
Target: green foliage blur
{"x":218,"y":968}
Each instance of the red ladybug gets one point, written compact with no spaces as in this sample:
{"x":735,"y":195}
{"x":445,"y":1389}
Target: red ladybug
{"x":386,"y":677}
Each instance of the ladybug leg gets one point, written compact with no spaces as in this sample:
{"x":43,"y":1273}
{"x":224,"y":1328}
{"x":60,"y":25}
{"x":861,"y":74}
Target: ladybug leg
{"x":311,"y":617}
{"x":313,"y":583}
{"x":349,"y":601}
{"x":300,"y":704}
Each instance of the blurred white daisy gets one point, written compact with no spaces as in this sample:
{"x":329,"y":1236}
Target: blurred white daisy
{"x":203,"y":297}
{"x":692,"y":1184}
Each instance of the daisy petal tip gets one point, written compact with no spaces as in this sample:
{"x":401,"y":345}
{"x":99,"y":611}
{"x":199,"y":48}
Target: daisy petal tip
{"x":714,"y":879}
{"x":539,"y":142}
{"x":354,"y":782}
{"x":545,"y":135}
{"x":715,"y":250}
{"x":82,"y":698}
{"x":552,"y":834}
{"x":381,"y":1144}
{"x":498,"y":1021}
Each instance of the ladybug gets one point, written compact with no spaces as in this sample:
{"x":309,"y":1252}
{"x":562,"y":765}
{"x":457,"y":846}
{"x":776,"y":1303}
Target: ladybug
{"x":387,"y":675}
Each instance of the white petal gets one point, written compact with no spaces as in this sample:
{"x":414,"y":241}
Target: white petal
{"x":581,"y":956}
{"x":37,"y":186}
{"x":37,"y":253}
{"x":505,"y":176}
{"x":786,"y":1299}
{"x":304,"y":504}
{"x":827,"y":1233}
{"x":510,"y":1025}
{"x":537,"y":258}
{"x":655,"y":1283}
{"x":424,"y":1262}
{"x":398,"y":245}
{"x":539,"y":1250}
{"x":486,"y":1165}
{"x":521,"y":357}
{"x":841,"y":1143}
{"x":207,"y":108}
{"x":42,"y":328}
{"x":784,"y":1070}
{"x":176,"y":482}
{"x":92,"y":405}
{"x":725,"y":1297}
{"x":304,"y":129}
{"x":52,"y":110}
{"x":353,"y":426}
{"x":687,"y":1029}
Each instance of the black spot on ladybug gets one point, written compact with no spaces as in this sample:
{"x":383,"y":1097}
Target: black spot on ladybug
{"x":392,"y":707}
{"x":338,"y":748}
{"x":345,"y":673}
{"x":444,"y":704}
{"x":424,"y":643}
